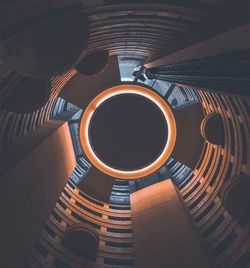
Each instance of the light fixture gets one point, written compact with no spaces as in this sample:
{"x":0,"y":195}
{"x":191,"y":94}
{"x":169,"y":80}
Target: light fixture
{"x":115,"y":91}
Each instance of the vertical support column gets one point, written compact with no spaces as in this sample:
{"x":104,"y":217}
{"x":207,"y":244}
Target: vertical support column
{"x":33,"y":173}
{"x":163,"y":234}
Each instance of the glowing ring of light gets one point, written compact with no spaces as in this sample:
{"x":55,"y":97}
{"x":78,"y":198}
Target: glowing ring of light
{"x":127,"y":89}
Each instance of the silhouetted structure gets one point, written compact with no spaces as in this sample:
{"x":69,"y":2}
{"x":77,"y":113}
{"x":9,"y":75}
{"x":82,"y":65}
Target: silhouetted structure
{"x":58,"y":207}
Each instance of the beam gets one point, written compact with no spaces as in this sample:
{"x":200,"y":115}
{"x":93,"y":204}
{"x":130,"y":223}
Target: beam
{"x":218,"y":35}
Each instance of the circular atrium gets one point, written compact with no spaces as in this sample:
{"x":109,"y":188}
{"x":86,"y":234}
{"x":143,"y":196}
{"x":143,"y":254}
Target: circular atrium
{"x":125,"y":134}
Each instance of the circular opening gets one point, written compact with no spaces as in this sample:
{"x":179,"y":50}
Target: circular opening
{"x":212,"y":129}
{"x":235,"y":196}
{"x":82,"y":239}
{"x":93,"y":63}
{"x":29,"y":95}
{"x":128,"y":131}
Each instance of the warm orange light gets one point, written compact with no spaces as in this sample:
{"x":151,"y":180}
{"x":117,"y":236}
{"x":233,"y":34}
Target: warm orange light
{"x":128,"y":89}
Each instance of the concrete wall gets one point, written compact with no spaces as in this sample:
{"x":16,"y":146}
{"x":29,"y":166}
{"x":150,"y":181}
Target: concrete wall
{"x":30,"y":187}
{"x":163,"y":234}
